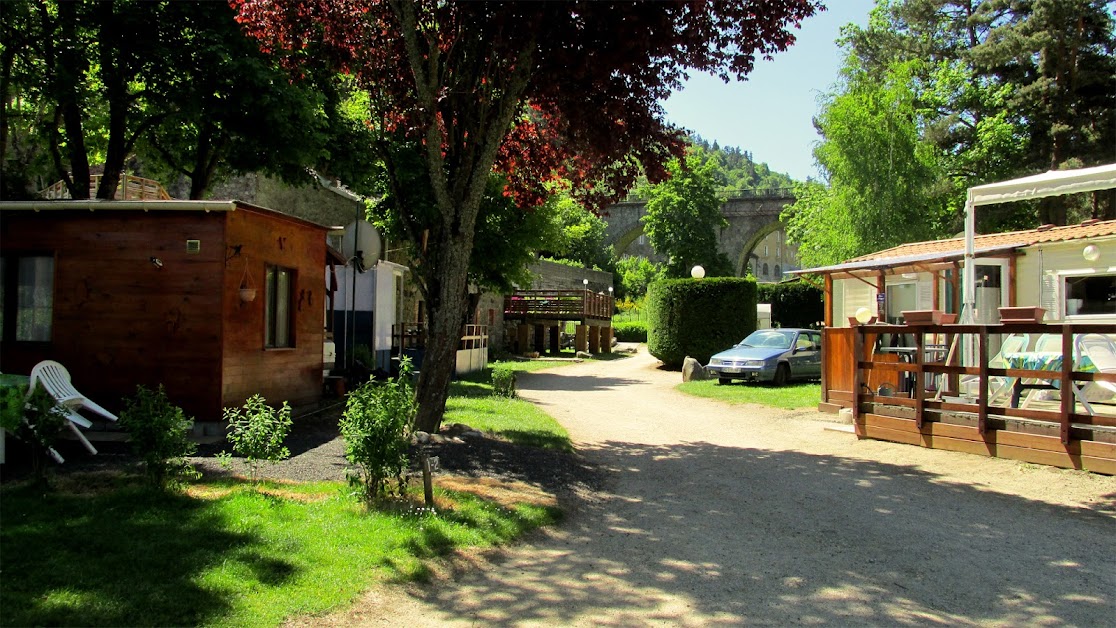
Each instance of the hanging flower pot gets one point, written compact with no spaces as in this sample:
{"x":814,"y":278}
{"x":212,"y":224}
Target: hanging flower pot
{"x":247,"y":289}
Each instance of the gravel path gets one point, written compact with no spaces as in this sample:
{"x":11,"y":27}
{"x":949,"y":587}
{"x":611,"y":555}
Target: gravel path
{"x":719,"y":515}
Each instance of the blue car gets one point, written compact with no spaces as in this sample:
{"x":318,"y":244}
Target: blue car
{"x":770,"y":355}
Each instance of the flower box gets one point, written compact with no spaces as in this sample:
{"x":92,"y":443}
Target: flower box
{"x":923,"y":317}
{"x":1028,"y":314}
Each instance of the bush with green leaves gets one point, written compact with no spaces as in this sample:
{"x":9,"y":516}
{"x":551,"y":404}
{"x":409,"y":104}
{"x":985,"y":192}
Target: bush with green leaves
{"x":40,"y":424}
{"x":256,"y":432}
{"x":160,"y":435}
{"x":503,"y":381}
{"x":630,"y":331}
{"x":797,"y":304}
{"x":376,"y":426}
{"x":697,"y":318}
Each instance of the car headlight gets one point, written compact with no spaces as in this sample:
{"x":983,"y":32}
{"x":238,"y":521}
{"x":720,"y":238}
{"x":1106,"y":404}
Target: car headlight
{"x":716,"y":362}
{"x":754,"y":363}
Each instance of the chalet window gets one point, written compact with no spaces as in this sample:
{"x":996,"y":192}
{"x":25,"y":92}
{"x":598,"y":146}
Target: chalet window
{"x":1091,"y":295}
{"x":277,"y":308}
{"x":27,"y":298}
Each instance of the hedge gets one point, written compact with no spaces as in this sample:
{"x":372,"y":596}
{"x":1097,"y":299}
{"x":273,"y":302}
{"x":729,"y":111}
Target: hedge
{"x":797,"y":304}
{"x":793,"y":303}
{"x":630,"y":331}
{"x":697,"y":318}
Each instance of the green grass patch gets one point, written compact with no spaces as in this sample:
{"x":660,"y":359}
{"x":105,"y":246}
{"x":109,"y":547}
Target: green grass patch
{"x":790,"y":397}
{"x":221,"y":554}
{"x":473,"y":403}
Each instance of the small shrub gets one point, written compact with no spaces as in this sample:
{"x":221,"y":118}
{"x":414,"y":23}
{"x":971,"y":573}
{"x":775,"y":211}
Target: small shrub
{"x":503,"y":381}
{"x":257,"y":432}
{"x":631,"y":331}
{"x":40,"y":424}
{"x":376,"y":426}
{"x":160,"y":435}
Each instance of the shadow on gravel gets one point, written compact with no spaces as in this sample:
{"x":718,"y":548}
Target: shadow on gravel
{"x":748,"y":536}
{"x":556,"y":380}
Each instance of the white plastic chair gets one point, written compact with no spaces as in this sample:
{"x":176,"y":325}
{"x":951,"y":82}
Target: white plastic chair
{"x":1101,"y":351}
{"x":997,"y":385}
{"x":55,"y":379}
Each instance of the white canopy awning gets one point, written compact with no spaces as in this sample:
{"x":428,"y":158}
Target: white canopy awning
{"x":1053,"y":183}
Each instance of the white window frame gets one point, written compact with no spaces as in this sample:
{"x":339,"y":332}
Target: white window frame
{"x":1060,"y":298}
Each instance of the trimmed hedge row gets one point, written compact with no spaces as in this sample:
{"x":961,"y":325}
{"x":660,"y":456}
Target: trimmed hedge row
{"x":630,"y":331}
{"x":797,"y":304}
{"x":698,"y":318}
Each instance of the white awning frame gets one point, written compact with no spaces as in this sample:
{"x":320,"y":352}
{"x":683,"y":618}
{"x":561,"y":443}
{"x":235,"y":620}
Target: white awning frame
{"x":1053,"y":183}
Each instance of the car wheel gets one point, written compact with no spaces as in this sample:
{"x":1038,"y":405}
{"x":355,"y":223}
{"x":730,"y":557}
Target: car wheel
{"x":782,"y":375}
{"x":724,"y":381}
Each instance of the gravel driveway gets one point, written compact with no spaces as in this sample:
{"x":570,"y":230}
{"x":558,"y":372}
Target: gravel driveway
{"x":719,"y":515}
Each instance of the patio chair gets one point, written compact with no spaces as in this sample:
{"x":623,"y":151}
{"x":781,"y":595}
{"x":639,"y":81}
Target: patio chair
{"x":1048,"y":343}
{"x":1101,"y":351}
{"x":55,"y":379}
{"x":998,"y":386}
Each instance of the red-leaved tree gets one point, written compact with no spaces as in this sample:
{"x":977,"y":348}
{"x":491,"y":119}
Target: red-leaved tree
{"x":532,"y":89}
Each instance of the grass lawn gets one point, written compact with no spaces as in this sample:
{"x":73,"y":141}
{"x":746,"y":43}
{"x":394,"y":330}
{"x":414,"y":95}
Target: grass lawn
{"x":471,"y":402}
{"x":222,"y":553}
{"x":788,"y":397}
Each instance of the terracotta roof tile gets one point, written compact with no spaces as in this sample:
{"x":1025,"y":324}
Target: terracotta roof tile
{"x":1083,"y":231}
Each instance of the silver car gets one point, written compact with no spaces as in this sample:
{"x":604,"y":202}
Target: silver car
{"x":770,"y":355}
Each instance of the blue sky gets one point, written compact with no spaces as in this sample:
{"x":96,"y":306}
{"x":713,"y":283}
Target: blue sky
{"x":770,"y":115}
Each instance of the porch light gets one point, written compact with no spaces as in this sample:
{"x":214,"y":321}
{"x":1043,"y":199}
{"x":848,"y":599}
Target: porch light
{"x":1091,"y":253}
{"x":697,"y":272}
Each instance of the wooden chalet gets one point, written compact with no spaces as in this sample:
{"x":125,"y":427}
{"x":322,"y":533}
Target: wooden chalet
{"x":913,"y":336}
{"x":215,"y":301}
{"x":546,"y":312}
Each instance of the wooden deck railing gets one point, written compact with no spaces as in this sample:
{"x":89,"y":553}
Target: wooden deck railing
{"x":131,"y":188}
{"x":558,"y":305}
{"x":935,"y":363}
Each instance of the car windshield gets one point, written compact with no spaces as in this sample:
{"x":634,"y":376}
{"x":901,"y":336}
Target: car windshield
{"x":768,"y":338}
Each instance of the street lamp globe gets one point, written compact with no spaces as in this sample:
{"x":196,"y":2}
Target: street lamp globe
{"x":697,"y":272}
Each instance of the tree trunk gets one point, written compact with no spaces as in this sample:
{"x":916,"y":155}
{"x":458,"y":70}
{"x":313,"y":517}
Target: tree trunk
{"x":446,"y":306}
{"x":66,"y":80}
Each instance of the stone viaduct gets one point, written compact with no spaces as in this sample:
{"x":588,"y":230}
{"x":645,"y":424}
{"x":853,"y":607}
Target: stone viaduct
{"x":752,"y":215}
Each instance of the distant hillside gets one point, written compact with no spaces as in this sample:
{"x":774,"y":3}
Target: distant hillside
{"x":737,"y":170}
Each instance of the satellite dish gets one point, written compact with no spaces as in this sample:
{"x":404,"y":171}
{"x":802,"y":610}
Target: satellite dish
{"x":361,"y":244}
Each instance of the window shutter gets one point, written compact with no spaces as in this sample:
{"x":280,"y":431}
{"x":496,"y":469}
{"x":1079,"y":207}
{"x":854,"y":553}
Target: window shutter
{"x":1048,"y":295}
{"x":925,"y":298}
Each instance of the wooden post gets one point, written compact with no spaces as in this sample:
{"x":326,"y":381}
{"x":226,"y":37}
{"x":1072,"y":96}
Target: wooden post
{"x":982,"y":364}
{"x":858,"y":355}
{"x":919,"y":393}
{"x":606,"y":339}
{"x":522,"y":334}
{"x":581,"y":338}
{"x":827,"y":301}
{"x":555,"y":338}
{"x":594,"y":339}
{"x":1069,"y":400}
{"x":540,"y":337}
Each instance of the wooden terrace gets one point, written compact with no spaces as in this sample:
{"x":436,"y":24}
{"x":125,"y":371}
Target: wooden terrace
{"x":546,"y":312}
{"x":913,"y":394}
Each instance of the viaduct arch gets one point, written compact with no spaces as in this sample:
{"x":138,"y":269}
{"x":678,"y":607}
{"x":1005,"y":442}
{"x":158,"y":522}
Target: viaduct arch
{"x":751,"y":216}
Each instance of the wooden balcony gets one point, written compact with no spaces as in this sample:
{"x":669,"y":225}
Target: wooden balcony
{"x":911,"y":394}
{"x":558,"y":305}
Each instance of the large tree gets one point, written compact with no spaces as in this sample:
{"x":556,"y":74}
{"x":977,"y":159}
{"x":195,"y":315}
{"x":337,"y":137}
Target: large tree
{"x":522,"y":86}
{"x":684,"y":216}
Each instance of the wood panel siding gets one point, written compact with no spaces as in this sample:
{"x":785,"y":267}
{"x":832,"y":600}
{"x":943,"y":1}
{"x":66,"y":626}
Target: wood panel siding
{"x":119,"y":319}
{"x":282,"y":374}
